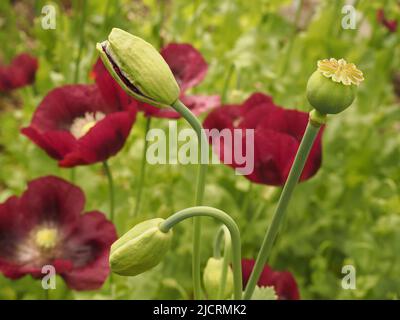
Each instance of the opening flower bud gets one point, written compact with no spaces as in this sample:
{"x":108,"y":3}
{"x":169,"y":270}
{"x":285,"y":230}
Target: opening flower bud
{"x":138,"y":68}
{"x":212,"y":279}
{"x":332,"y":88}
{"x":140,"y":249}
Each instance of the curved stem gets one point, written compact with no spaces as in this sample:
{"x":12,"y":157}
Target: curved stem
{"x":81,"y":31}
{"x":108,"y":173}
{"x":223,"y":233}
{"x":200,"y":185}
{"x":223,"y":217}
{"x":139,"y":187}
{"x":294,"y":175}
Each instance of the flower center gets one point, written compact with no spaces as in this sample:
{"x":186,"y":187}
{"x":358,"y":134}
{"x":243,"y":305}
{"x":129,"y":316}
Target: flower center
{"x":80,"y":126}
{"x":46,"y":238}
{"x":340,"y":71}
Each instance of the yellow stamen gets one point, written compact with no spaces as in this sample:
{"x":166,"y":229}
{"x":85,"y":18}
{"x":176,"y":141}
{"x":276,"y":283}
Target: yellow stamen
{"x":46,"y":238}
{"x":82,"y":125}
{"x":340,"y":71}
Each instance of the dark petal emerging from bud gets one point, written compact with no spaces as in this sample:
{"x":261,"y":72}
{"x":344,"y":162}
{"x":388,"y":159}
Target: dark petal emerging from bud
{"x":138,"y":68}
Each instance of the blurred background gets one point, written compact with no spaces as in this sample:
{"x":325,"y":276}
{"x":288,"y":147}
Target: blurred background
{"x":348,"y":214}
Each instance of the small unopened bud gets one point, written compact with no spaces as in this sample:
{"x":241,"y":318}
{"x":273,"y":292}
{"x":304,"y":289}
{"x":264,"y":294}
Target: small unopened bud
{"x":332,"y":88}
{"x":212,"y":279}
{"x":140,"y":249}
{"x":138,"y":68}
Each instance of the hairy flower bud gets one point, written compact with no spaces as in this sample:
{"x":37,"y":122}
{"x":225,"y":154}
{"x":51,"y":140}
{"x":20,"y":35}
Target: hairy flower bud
{"x":138,"y":68}
{"x":332,"y":88}
{"x":140,"y":249}
{"x":212,"y":279}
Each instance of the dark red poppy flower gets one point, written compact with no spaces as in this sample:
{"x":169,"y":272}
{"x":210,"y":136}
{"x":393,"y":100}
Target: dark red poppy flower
{"x":283,"y":281}
{"x":189,"y":69}
{"x":391,"y":25}
{"x":277,"y":136}
{"x":45,"y":226}
{"x":75,"y":125}
{"x":19,"y":73}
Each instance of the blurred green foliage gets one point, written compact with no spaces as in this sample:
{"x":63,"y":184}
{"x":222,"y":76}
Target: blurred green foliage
{"x":349,"y":213}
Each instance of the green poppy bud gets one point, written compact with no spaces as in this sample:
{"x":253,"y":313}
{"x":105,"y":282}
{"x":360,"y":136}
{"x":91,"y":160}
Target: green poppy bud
{"x":138,"y":68}
{"x":332,"y":88}
{"x":212,"y":279}
{"x":140,"y":249}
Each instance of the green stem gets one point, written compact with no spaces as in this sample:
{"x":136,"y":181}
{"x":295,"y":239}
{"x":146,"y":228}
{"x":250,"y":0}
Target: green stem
{"x":294,"y":175}
{"x":246,"y":199}
{"x":200,"y":185}
{"x":72,"y":174}
{"x":223,"y":233}
{"x":196,"y":212}
{"x":139,"y":187}
{"x":81,"y":38}
{"x":289,"y":50}
{"x":106,"y":14}
{"x":108,"y":173}
{"x":226,"y":83}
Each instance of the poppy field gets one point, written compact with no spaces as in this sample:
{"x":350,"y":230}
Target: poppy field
{"x":171,"y":149}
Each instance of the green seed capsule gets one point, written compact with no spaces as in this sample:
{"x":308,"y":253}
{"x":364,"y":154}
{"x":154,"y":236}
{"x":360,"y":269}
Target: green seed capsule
{"x":138,"y":68}
{"x":140,"y":249}
{"x":212,"y":279}
{"x":332,"y":88}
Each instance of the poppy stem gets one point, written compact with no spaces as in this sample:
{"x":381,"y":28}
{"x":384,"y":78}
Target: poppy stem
{"x":196,"y":212}
{"x":228,"y":78}
{"x":110,"y":180}
{"x":288,"y":54}
{"x":306,"y":144}
{"x":81,"y":38}
{"x":223,"y":233}
{"x":200,"y":185}
{"x":142,"y":171}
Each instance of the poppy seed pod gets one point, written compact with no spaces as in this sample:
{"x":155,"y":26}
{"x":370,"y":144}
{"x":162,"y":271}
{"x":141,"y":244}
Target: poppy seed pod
{"x":332,"y":88}
{"x":140,"y":249}
{"x":138,"y":68}
{"x":212,"y":279}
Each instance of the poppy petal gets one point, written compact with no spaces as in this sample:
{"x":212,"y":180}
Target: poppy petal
{"x":88,"y":248}
{"x":187,"y":64}
{"x":102,"y":141}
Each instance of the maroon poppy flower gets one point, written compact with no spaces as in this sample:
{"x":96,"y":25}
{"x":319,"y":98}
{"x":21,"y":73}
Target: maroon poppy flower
{"x":75,"y":125}
{"x":283,"y":281}
{"x":19,"y":73}
{"x":189,"y":69}
{"x":45,"y":226}
{"x":277,"y":136}
{"x":391,"y":25}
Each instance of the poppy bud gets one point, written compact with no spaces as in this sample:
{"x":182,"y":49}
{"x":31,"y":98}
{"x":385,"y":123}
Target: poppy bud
{"x":332,"y":88}
{"x":212,"y":279}
{"x":138,"y":68}
{"x":140,"y":249}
